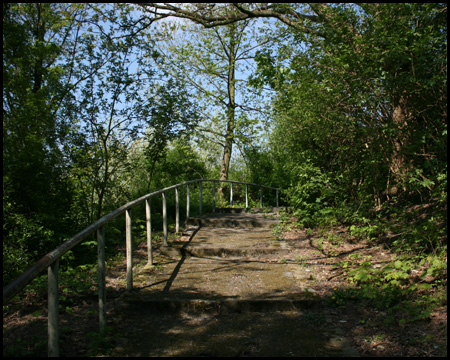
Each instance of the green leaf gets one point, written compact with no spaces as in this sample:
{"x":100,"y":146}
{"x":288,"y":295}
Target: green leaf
{"x":362,"y":275}
{"x":90,"y":243}
{"x":425,"y":286}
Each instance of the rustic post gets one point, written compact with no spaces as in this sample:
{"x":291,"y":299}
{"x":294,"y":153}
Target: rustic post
{"x":188,"y":198}
{"x":148,"y":217}
{"x":177,"y":211}
{"x":164,"y":217}
{"x":214,"y":196}
{"x":231,"y":195}
{"x":129,"y":249}
{"x":277,"y":196}
{"x":200,"y":205}
{"x":261,"y":198}
{"x":246,"y":195}
{"x":101,"y":278}
{"x":53,"y":311}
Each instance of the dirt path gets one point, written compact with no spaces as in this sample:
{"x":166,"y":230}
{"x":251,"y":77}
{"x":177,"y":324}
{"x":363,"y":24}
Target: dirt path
{"x":232,"y":334}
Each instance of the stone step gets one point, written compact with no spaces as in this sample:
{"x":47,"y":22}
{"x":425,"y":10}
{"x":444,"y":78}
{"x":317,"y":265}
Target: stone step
{"x":231,"y":261}
{"x":174,"y":251}
{"x":228,"y":242}
{"x":193,"y":284}
{"x":266,"y":210}
{"x":216,"y":306}
{"x":225,"y":291}
{"x":235,"y":220}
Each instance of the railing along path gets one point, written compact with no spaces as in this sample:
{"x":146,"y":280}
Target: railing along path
{"x":51,"y":260}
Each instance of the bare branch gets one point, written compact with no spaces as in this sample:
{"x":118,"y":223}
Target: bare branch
{"x":209,"y":16}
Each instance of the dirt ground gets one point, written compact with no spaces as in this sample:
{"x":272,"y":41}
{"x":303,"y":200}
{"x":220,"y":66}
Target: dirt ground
{"x":371,"y":331}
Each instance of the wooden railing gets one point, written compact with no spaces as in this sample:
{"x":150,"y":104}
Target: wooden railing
{"x":51,"y":260}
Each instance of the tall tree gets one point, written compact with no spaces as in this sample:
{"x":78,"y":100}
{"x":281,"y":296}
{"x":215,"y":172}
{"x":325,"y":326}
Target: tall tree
{"x":111,"y":104}
{"x":119,"y":103}
{"x":38,"y":43}
{"x":214,"y":65}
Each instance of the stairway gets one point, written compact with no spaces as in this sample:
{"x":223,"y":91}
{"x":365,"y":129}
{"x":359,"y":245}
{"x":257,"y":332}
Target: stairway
{"x":231,"y":262}
{"x":225,"y":290}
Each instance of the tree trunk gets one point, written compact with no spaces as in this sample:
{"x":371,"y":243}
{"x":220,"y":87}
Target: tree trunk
{"x":398,"y":165}
{"x":229,"y":135}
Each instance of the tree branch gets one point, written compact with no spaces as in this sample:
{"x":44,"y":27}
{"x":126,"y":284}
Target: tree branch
{"x":205,"y":15}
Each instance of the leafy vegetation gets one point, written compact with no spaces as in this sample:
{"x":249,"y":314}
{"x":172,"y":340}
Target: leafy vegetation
{"x":343,"y":106}
{"x":361,"y":142}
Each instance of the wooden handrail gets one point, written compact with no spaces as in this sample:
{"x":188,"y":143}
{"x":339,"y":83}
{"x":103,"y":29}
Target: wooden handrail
{"x":51,"y":260}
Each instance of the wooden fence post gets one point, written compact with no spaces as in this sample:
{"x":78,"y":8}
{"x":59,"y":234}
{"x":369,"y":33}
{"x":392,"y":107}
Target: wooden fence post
{"x":214,"y":196}
{"x":148,"y":216}
{"x":53,"y":311}
{"x":177,"y":211}
{"x":129,"y":249}
{"x":164,"y":209}
{"x":101,"y":279}
{"x":188,"y":201}
{"x":231,"y":195}
{"x":261,"y":197}
{"x":201,"y":194}
{"x":246,"y":195}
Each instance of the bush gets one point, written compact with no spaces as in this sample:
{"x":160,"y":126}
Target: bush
{"x":312,"y":196}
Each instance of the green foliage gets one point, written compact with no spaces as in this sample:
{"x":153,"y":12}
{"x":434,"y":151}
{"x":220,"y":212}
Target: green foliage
{"x":22,"y":234}
{"x":360,"y":136}
{"x":263,"y":166}
{"x":27,"y":347}
{"x":342,"y":116}
{"x":34,"y":84}
{"x":179,"y":163}
{"x":389,"y":286}
{"x":209,"y":62}
{"x":173,"y":116}
{"x":312,"y":196}
{"x":72,"y":112}
{"x":366,"y":230}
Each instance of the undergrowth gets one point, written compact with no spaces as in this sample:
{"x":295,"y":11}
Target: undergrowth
{"x":414,"y":282}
